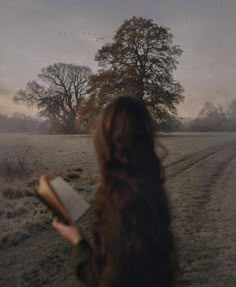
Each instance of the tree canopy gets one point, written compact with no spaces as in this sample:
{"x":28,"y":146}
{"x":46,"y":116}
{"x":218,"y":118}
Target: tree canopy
{"x":139,"y":62}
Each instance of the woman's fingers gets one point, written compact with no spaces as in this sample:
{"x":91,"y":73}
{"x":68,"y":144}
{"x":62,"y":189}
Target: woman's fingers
{"x":61,"y":227}
{"x":55,"y":221}
{"x":69,"y":232}
{"x":57,"y":224}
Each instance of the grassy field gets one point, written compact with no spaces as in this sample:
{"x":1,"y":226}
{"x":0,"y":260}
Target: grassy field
{"x":201,"y":182}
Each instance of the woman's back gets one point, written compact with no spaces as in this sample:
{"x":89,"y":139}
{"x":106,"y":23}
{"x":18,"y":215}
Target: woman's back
{"x":133,"y":243}
{"x":135,"y":225}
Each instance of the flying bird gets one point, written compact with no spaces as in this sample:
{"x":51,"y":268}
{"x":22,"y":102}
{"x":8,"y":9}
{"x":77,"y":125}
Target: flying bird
{"x":62,"y":34}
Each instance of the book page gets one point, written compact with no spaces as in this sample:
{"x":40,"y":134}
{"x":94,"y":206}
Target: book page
{"x":73,"y":202}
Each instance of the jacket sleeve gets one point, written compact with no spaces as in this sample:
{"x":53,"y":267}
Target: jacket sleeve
{"x":82,"y":260}
{"x":89,"y":269}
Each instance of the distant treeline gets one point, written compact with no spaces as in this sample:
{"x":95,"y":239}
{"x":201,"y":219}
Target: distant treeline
{"x":20,"y":123}
{"x":211,"y":118}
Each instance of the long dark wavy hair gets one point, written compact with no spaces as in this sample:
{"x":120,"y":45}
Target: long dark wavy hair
{"x":131,"y":201}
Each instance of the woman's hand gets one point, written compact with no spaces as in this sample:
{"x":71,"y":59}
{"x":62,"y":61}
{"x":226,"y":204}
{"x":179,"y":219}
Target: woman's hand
{"x":69,"y":232}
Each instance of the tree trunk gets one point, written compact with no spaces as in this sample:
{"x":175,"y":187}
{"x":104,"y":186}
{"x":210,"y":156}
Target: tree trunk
{"x":140,"y":88}
{"x":70,"y":123}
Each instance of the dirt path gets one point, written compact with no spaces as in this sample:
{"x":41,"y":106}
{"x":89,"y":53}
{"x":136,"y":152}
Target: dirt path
{"x":222,"y":235}
{"x":205,"y":218}
{"x":202,"y":189}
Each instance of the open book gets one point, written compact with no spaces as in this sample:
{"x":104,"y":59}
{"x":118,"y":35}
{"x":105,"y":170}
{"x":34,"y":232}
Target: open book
{"x":62,"y":199}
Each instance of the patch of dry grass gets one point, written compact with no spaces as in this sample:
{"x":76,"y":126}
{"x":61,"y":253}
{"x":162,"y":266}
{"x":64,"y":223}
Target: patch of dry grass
{"x":17,"y":212}
{"x":15,"y":164}
{"x":71,"y":176}
{"x":78,"y":169}
{"x":73,"y":173}
{"x":16,"y":193}
{"x":13,"y":238}
{"x":21,"y":218}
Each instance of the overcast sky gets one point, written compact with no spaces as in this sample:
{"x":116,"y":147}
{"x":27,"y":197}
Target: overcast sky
{"x":36,"y":33}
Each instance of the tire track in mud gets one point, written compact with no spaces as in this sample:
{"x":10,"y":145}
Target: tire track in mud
{"x":224,"y":231}
{"x":196,"y":252}
{"x":201,"y":199}
{"x":181,"y":165}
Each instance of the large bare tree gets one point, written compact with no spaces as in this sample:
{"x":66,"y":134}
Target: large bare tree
{"x":59,"y":94}
{"x":140,"y":62}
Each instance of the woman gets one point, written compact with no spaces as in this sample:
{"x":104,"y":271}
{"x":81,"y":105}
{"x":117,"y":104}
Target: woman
{"x":133,"y":243}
